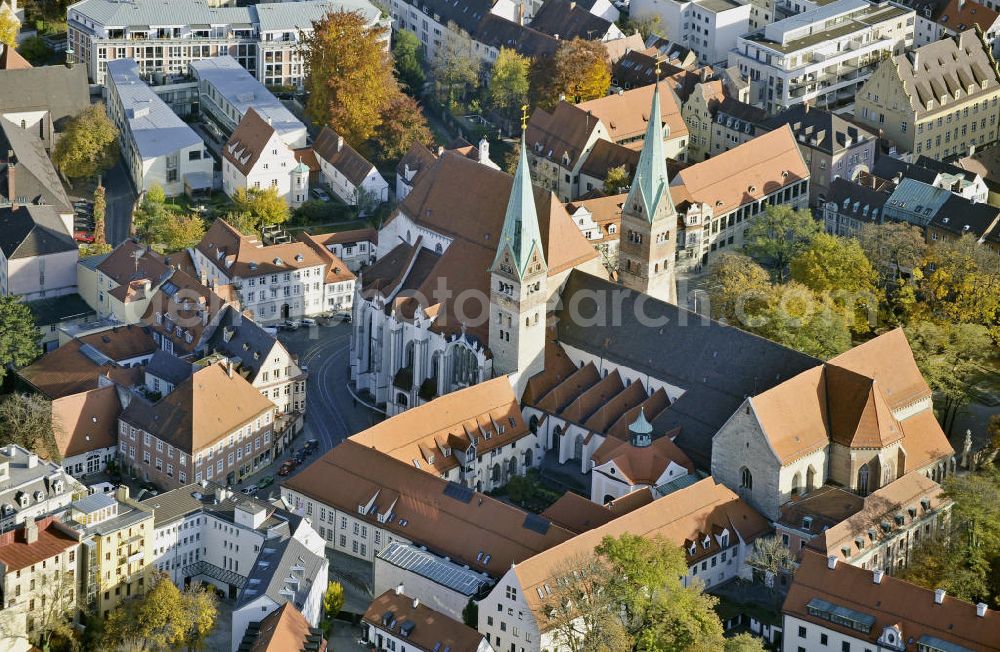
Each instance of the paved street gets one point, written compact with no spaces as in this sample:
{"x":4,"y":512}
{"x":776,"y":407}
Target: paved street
{"x":120,"y":199}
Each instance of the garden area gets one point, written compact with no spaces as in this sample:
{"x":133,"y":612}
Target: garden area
{"x":528,"y":492}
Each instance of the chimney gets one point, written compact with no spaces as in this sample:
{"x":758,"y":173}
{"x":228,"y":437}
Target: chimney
{"x":556,"y":36}
{"x":484,"y":150}
{"x":32,"y":460}
{"x":877,"y":576}
{"x":340,"y":142}
{"x":572,"y":5}
{"x":939,"y":596}
{"x":981,"y":609}
{"x":916,"y":60}
{"x":229,"y":368}
{"x":831,"y":562}
{"x":30,"y":531}
{"x":220,"y":494}
{"x":520,"y":14}
{"x":399,"y":589}
{"x":416,"y":602}
{"x":122,"y":493}
{"x":961,"y":5}
{"x":11,"y":175}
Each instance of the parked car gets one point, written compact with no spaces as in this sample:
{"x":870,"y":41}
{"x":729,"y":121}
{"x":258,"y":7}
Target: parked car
{"x":83,"y":236}
{"x":292,"y":324}
{"x":307,"y":322}
{"x":286,"y":468}
{"x":270,"y":330}
{"x":321,"y":194}
{"x":249,"y":490}
{"x":266,"y":481}
{"x":311,"y":444}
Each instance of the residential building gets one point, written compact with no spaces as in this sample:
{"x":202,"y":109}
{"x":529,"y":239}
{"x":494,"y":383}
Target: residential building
{"x":429,"y":237}
{"x":843,"y":607}
{"x":120,"y":285}
{"x":959,"y":217}
{"x":718,"y":198}
{"x":281,"y":628}
{"x":39,"y":566}
{"x":183,"y":436}
{"x":158,"y":147}
{"x":183,"y":313}
{"x":831,"y":146}
{"x":911,"y":99}
{"x":956,"y":16}
{"x":862,"y":420}
{"x":605,"y":156}
{"x":262,"y":360}
{"x":878,"y":531}
{"x":117,"y":549}
{"x":348,"y":174}
{"x":257,"y":158}
{"x":32,"y":487}
{"x":416,"y":159}
{"x":626,"y":122}
{"x":559,"y":143}
{"x":227,"y":91}
{"x":850,"y":205}
{"x":38,"y":255}
{"x":600,"y":221}
{"x":717,"y":120}
{"x":567,"y":19}
{"x":363,"y":500}
{"x":86,"y":429}
{"x":291,"y":569}
{"x":72,"y":368}
{"x":264,"y":38}
{"x":440,"y":583}
{"x":28,"y":176}
{"x":710,"y":28}
{"x":715,"y":527}
{"x":277,"y":279}
{"x":958,"y":180}
{"x":823,"y":55}
{"x":985,"y":164}
{"x":394,"y":620}
{"x":475,"y":436}
{"x":355,"y":248}
{"x":433,"y":22}
{"x":43,"y":99}
{"x":53,"y":314}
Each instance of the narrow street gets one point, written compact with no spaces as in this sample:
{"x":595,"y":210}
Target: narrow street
{"x":120,"y":198}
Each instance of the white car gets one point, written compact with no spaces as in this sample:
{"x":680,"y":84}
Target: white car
{"x":306,"y":321}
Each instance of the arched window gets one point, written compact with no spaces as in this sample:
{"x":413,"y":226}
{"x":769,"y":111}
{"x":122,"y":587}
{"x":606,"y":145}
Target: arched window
{"x":887,"y":474}
{"x":746,"y":479}
{"x":437,"y":248}
{"x":529,"y":458}
{"x":863,"y":480}
{"x":496,"y":473}
{"x":796,"y":483}
{"x":810,"y":478}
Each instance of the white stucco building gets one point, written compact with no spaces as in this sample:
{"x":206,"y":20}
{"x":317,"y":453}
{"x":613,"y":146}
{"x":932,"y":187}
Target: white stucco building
{"x":709,"y":27}
{"x":257,"y":158}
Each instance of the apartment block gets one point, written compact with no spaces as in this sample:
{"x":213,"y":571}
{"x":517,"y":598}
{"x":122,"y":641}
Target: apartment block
{"x":710,"y":28}
{"x":940,"y":100}
{"x":157,"y":146}
{"x":164,"y":38}
{"x":822,"y":55}
{"x":31,"y":487}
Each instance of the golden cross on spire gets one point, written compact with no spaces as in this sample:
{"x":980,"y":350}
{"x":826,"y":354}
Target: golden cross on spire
{"x":524,"y":117}
{"x":657,"y":71}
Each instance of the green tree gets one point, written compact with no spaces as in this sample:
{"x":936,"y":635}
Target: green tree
{"x":181,"y":232}
{"x":100,"y":207}
{"x":243,"y":222}
{"x":200,"y":608}
{"x":511,"y":158}
{"x":264,"y":204}
{"x":839,"y":266}
{"x":470,"y":614}
{"x":155,"y":194}
{"x":810,"y":322}
{"x":9,"y":27}
{"x":35,"y":50}
{"x":509,"y":83}
{"x":333,"y":599}
{"x":579,"y":71}
{"x":775,"y":237}
{"x":27,"y":420}
{"x":350,"y":78}
{"x":895,"y":250}
{"x":409,"y":57}
{"x":403,"y":123}
{"x":737,"y":287}
{"x":88,"y":146}
{"x":617,"y":180}
{"x":646,"y":27}
{"x":455,"y":66}
{"x":163,"y":619}
{"x":961,"y":283}
{"x":744,"y":643}
{"x":949,"y":357}
{"x":18,"y":335}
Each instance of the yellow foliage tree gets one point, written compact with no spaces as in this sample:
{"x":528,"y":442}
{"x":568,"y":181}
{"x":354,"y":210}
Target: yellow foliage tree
{"x":350,"y":78}
{"x":9,"y":27}
{"x":579,"y":70}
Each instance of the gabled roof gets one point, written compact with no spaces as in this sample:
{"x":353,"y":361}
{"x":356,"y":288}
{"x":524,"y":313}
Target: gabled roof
{"x":626,"y":114}
{"x":248,"y":141}
{"x":819,"y":129}
{"x":420,"y":626}
{"x":889,"y":360}
{"x":284,"y":630}
{"x":959,"y":15}
{"x":333,"y":149}
{"x":189,"y":417}
{"x":243,"y":256}
{"x":35,"y":178}
{"x":606,"y":155}
{"x":889,"y":603}
{"x":565,"y":131}
{"x":793,"y":415}
{"x":642,"y":466}
{"x":86,"y":421}
{"x":470,"y":528}
{"x":60,"y":90}
{"x":684,"y":515}
{"x":578,"y":514}
{"x":568,"y":20}
{"x":859,"y":414}
{"x":11,"y":60}
{"x":68,"y":370}
{"x":53,"y":539}
{"x":185,"y":312}
{"x":131,"y":261}
{"x":243,"y":341}
{"x":416,"y":160}
{"x":499,"y":32}
{"x":33,"y":230}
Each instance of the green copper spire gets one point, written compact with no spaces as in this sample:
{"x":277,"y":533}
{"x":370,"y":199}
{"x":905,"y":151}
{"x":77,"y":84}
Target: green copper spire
{"x":520,"y":222}
{"x":650,"y":187}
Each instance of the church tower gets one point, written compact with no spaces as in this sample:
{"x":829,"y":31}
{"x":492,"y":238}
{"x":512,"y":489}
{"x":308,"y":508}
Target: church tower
{"x":649,"y":220}
{"x":518,"y":286}
{"x":640,"y":431}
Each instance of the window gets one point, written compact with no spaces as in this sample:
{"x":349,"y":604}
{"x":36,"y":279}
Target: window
{"x":746,"y":479}
{"x":823,"y":639}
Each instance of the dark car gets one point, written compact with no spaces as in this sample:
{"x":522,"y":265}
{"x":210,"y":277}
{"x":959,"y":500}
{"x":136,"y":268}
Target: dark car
{"x":266,"y":481}
{"x":287,"y":468}
{"x":311,"y":444}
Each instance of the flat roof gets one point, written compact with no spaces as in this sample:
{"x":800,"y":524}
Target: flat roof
{"x":156,"y":129}
{"x":440,"y":571}
{"x":796,"y":32}
{"x":243,"y":90}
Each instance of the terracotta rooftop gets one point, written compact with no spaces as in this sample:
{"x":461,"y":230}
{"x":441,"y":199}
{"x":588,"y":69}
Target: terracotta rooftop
{"x":626,"y":115}
{"x":642,"y":466}
{"x":285,"y":630}
{"x":425,"y":628}
{"x":890,"y":602}
{"x":333,"y":149}
{"x":86,"y":421}
{"x":16,"y":553}
{"x":578,"y":514}
{"x":248,"y":141}
{"x":424,"y":436}
{"x":238,"y":255}
{"x":67,"y":371}
{"x":470,"y":528}
{"x":121,"y":343}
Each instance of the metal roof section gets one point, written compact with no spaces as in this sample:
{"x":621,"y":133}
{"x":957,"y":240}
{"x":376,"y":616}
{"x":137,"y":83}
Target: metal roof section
{"x":439,"y":570}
